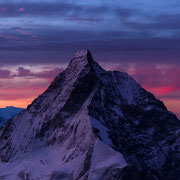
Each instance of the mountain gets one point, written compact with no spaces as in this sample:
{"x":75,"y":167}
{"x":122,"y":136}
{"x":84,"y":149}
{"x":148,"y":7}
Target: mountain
{"x":92,"y":124}
{"x":8,"y":113}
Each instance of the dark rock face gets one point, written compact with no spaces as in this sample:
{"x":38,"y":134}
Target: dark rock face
{"x":145,"y":132}
{"x":103,"y":125}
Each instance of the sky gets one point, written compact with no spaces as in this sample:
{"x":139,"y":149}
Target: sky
{"x":38,"y":39}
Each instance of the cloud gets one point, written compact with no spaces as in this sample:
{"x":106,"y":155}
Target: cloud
{"x":25,"y":73}
{"x":125,"y":13}
{"x":20,"y":86}
{"x":4,"y":73}
{"x":34,"y":36}
{"x":52,"y":45}
{"x":85,"y":19}
{"x":113,"y":32}
{"x":20,"y":92}
{"x":159,"y":22}
{"x":22,"y":31}
{"x":7,"y":36}
{"x":2,"y":9}
{"x":159,"y":77}
{"x":21,"y":9}
{"x":16,"y":9}
{"x":22,"y":72}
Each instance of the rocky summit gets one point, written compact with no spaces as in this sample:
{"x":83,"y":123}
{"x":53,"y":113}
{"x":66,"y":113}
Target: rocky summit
{"x":91,"y":124}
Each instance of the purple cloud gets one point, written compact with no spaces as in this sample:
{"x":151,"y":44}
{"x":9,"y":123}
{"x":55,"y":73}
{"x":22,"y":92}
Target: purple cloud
{"x":4,"y":73}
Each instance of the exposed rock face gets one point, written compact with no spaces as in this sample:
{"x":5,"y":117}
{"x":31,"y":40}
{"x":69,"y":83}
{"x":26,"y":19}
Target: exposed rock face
{"x":92,"y":124}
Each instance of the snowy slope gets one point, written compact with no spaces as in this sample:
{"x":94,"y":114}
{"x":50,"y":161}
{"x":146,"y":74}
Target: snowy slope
{"x":91,"y":124}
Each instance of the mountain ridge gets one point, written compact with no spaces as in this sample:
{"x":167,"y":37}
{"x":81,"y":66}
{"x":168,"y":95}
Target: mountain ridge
{"x":7,"y":113}
{"x":92,"y":124}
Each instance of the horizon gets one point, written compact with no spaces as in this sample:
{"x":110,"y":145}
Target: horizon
{"x":39,"y":38}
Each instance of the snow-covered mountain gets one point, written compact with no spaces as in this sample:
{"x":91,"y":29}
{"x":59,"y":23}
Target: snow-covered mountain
{"x":92,"y":124}
{"x":8,"y":113}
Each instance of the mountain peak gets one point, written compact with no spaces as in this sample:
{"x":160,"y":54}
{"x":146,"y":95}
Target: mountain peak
{"x":82,"y":60}
{"x":100,"y":124}
{"x":82,"y":53}
{"x":82,"y":57}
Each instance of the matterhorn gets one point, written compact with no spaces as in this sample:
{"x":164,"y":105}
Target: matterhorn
{"x":91,"y":124}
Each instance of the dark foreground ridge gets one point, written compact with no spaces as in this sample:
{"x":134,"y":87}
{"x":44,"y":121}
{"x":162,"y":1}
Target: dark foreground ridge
{"x":92,"y":124}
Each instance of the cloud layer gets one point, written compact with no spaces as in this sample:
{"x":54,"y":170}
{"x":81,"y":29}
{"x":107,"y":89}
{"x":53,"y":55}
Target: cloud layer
{"x":115,"y":31}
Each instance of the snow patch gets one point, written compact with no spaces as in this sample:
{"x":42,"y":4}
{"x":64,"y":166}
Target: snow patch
{"x":102,"y":157}
{"x":103,"y":131}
